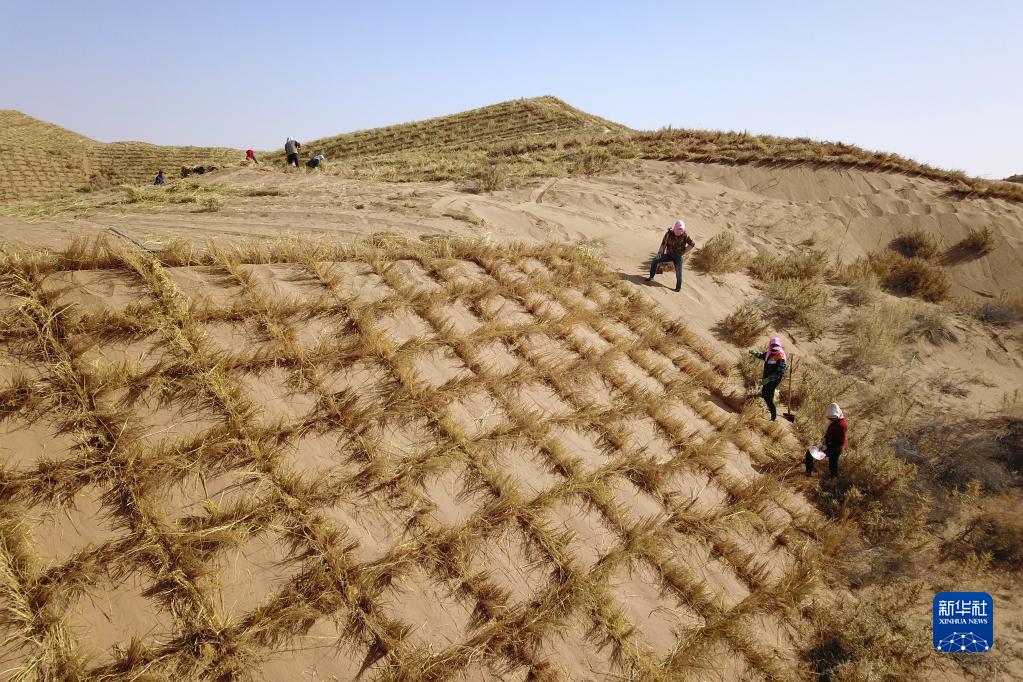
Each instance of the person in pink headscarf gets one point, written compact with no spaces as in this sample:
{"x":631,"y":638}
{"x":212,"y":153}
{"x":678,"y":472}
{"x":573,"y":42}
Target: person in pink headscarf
{"x":674,"y":246}
{"x":774,"y":371}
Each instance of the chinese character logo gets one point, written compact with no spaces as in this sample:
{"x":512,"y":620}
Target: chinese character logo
{"x":963,"y":622}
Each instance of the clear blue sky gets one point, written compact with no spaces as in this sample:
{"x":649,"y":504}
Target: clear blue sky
{"x":937,"y":81}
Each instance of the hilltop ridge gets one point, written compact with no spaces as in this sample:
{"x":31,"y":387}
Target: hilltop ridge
{"x":40,"y":160}
{"x":536,"y":137}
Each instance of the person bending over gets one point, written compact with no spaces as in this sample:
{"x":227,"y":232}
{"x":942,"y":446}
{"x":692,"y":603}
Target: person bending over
{"x":834,"y":440}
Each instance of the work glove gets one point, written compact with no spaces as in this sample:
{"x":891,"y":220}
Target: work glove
{"x":754,"y":353}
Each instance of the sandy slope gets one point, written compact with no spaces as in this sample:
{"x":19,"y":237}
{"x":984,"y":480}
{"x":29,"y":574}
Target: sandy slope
{"x":849,"y":213}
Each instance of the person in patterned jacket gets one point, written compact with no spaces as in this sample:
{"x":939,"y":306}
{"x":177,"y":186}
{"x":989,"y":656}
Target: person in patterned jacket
{"x":774,"y":370}
{"x":674,"y":246}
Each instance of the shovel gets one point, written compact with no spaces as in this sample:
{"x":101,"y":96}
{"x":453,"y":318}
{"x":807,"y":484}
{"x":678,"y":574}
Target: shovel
{"x":789,"y":415}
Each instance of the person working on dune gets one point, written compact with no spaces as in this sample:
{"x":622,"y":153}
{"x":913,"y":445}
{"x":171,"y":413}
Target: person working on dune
{"x":674,"y":247}
{"x":316,"y":160}
{"x":291,"y":148}
{"x":774,"y":370}
{"x":834,"y":441}
{"x":251,"y":156}
{"x":159,"y":178}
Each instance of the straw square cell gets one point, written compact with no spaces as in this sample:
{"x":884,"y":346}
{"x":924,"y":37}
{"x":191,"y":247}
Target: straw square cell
{"x":250,"y":573}
{"x":437,"y":618}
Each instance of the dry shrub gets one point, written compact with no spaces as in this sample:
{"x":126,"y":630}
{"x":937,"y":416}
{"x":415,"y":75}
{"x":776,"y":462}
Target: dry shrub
{"x":720,"y":254}
{"x":976,"y":243}
{"x":1003,"y":311}
{"x":592,"y":161}
{"x":799,"y":303}
{"x":863,"y":285}
{"x":873,"y":335}
{"x":996,"y":537}
{"x":874,"y":637}
{"x":813,"y":387}
{"x":681,"y":177}
{"x":910,"y":276}
{"x":490,"y":177}
{"x":808,"y":264}
{"x":743,"y":325}
{"x":933,"y":324}
{"x":915,"y":243}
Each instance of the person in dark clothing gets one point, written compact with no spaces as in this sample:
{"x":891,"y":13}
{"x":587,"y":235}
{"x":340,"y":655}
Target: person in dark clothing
{"x":316,"y":160}
{"x":291,"y":148}
{"x":834,"y":441}
{"x":774,"y":371}
{"x":159,"y":178}
{"x":674,"y":246}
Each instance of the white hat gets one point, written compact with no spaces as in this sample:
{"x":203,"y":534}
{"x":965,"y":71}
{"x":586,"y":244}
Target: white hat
{"x":834,"y":411}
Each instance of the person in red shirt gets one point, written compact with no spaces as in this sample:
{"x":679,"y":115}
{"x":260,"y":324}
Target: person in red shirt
{"x":251,"y":156}
{"x":834,"y":440}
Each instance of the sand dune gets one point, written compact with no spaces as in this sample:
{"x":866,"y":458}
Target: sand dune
{"x":462,"y":449}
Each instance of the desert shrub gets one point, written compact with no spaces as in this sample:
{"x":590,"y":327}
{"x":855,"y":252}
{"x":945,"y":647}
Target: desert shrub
{"x":932,"y":323}
{"x":1002,"y":311}
{"x":914,"y":243}
{"x":813,"y":387}
{"x":681,"y":177}
{"x":976,"y":243}
{"x":1015,"y":178}
{"x":743,"y":325}
{"x":490,"y":176}
{"x":910,"y":276}
{"x":872,"y":637}
{"x":879,"y":492}
{"x":809,"y":264}
{"x":994,"y":535}
{"x":592,"y":161}
{"x":873,"y":335}
{"x":861,"y":281}
{"x":799,"y":303}
{"x":720,"y":254}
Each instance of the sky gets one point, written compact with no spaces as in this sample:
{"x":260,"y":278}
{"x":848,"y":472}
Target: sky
{"x":935,"y":81}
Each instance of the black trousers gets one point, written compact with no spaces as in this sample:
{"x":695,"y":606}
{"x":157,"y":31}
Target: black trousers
{"x":292,"y":159}
{"x":767,"y":393}
{"x":832,"y":462}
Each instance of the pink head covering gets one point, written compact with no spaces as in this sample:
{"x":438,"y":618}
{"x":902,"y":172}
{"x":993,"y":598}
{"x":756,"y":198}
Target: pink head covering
{"x":774,"y":341}
{"x":678,"y":228}
{"x":774,"y":347}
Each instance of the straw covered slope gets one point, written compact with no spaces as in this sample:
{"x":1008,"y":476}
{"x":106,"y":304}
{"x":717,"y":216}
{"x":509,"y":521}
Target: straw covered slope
{"x":425,"y":460}
{"x":39,"y":160}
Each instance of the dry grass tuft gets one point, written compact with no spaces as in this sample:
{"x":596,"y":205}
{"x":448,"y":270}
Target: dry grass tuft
{"x":466,"y":217}
{"x":800,"y":303}
{"x":804,"y":265}
{"x":720,"y":254}
{"x":915,"y":243}
{"x":743,"y":325}
{"x":490,"y":177}
{"x":1003,"y":311}
{"x":848,"y":647}
{"x":994,"y":537}
{"x":975,"y":244}
{"x":910,"y":276}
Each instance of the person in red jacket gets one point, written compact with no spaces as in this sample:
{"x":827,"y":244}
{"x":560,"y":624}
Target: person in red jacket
{"x":834,"y":441}
{"x":251,"y":156}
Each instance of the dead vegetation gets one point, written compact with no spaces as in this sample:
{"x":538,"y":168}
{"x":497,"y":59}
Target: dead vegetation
{"x":721,"y":253}
{"x":385,"y":305}
{"x":910,"y":276}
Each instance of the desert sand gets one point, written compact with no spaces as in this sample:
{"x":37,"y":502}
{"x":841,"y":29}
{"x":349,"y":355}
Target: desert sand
{"x":477,"y":446}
